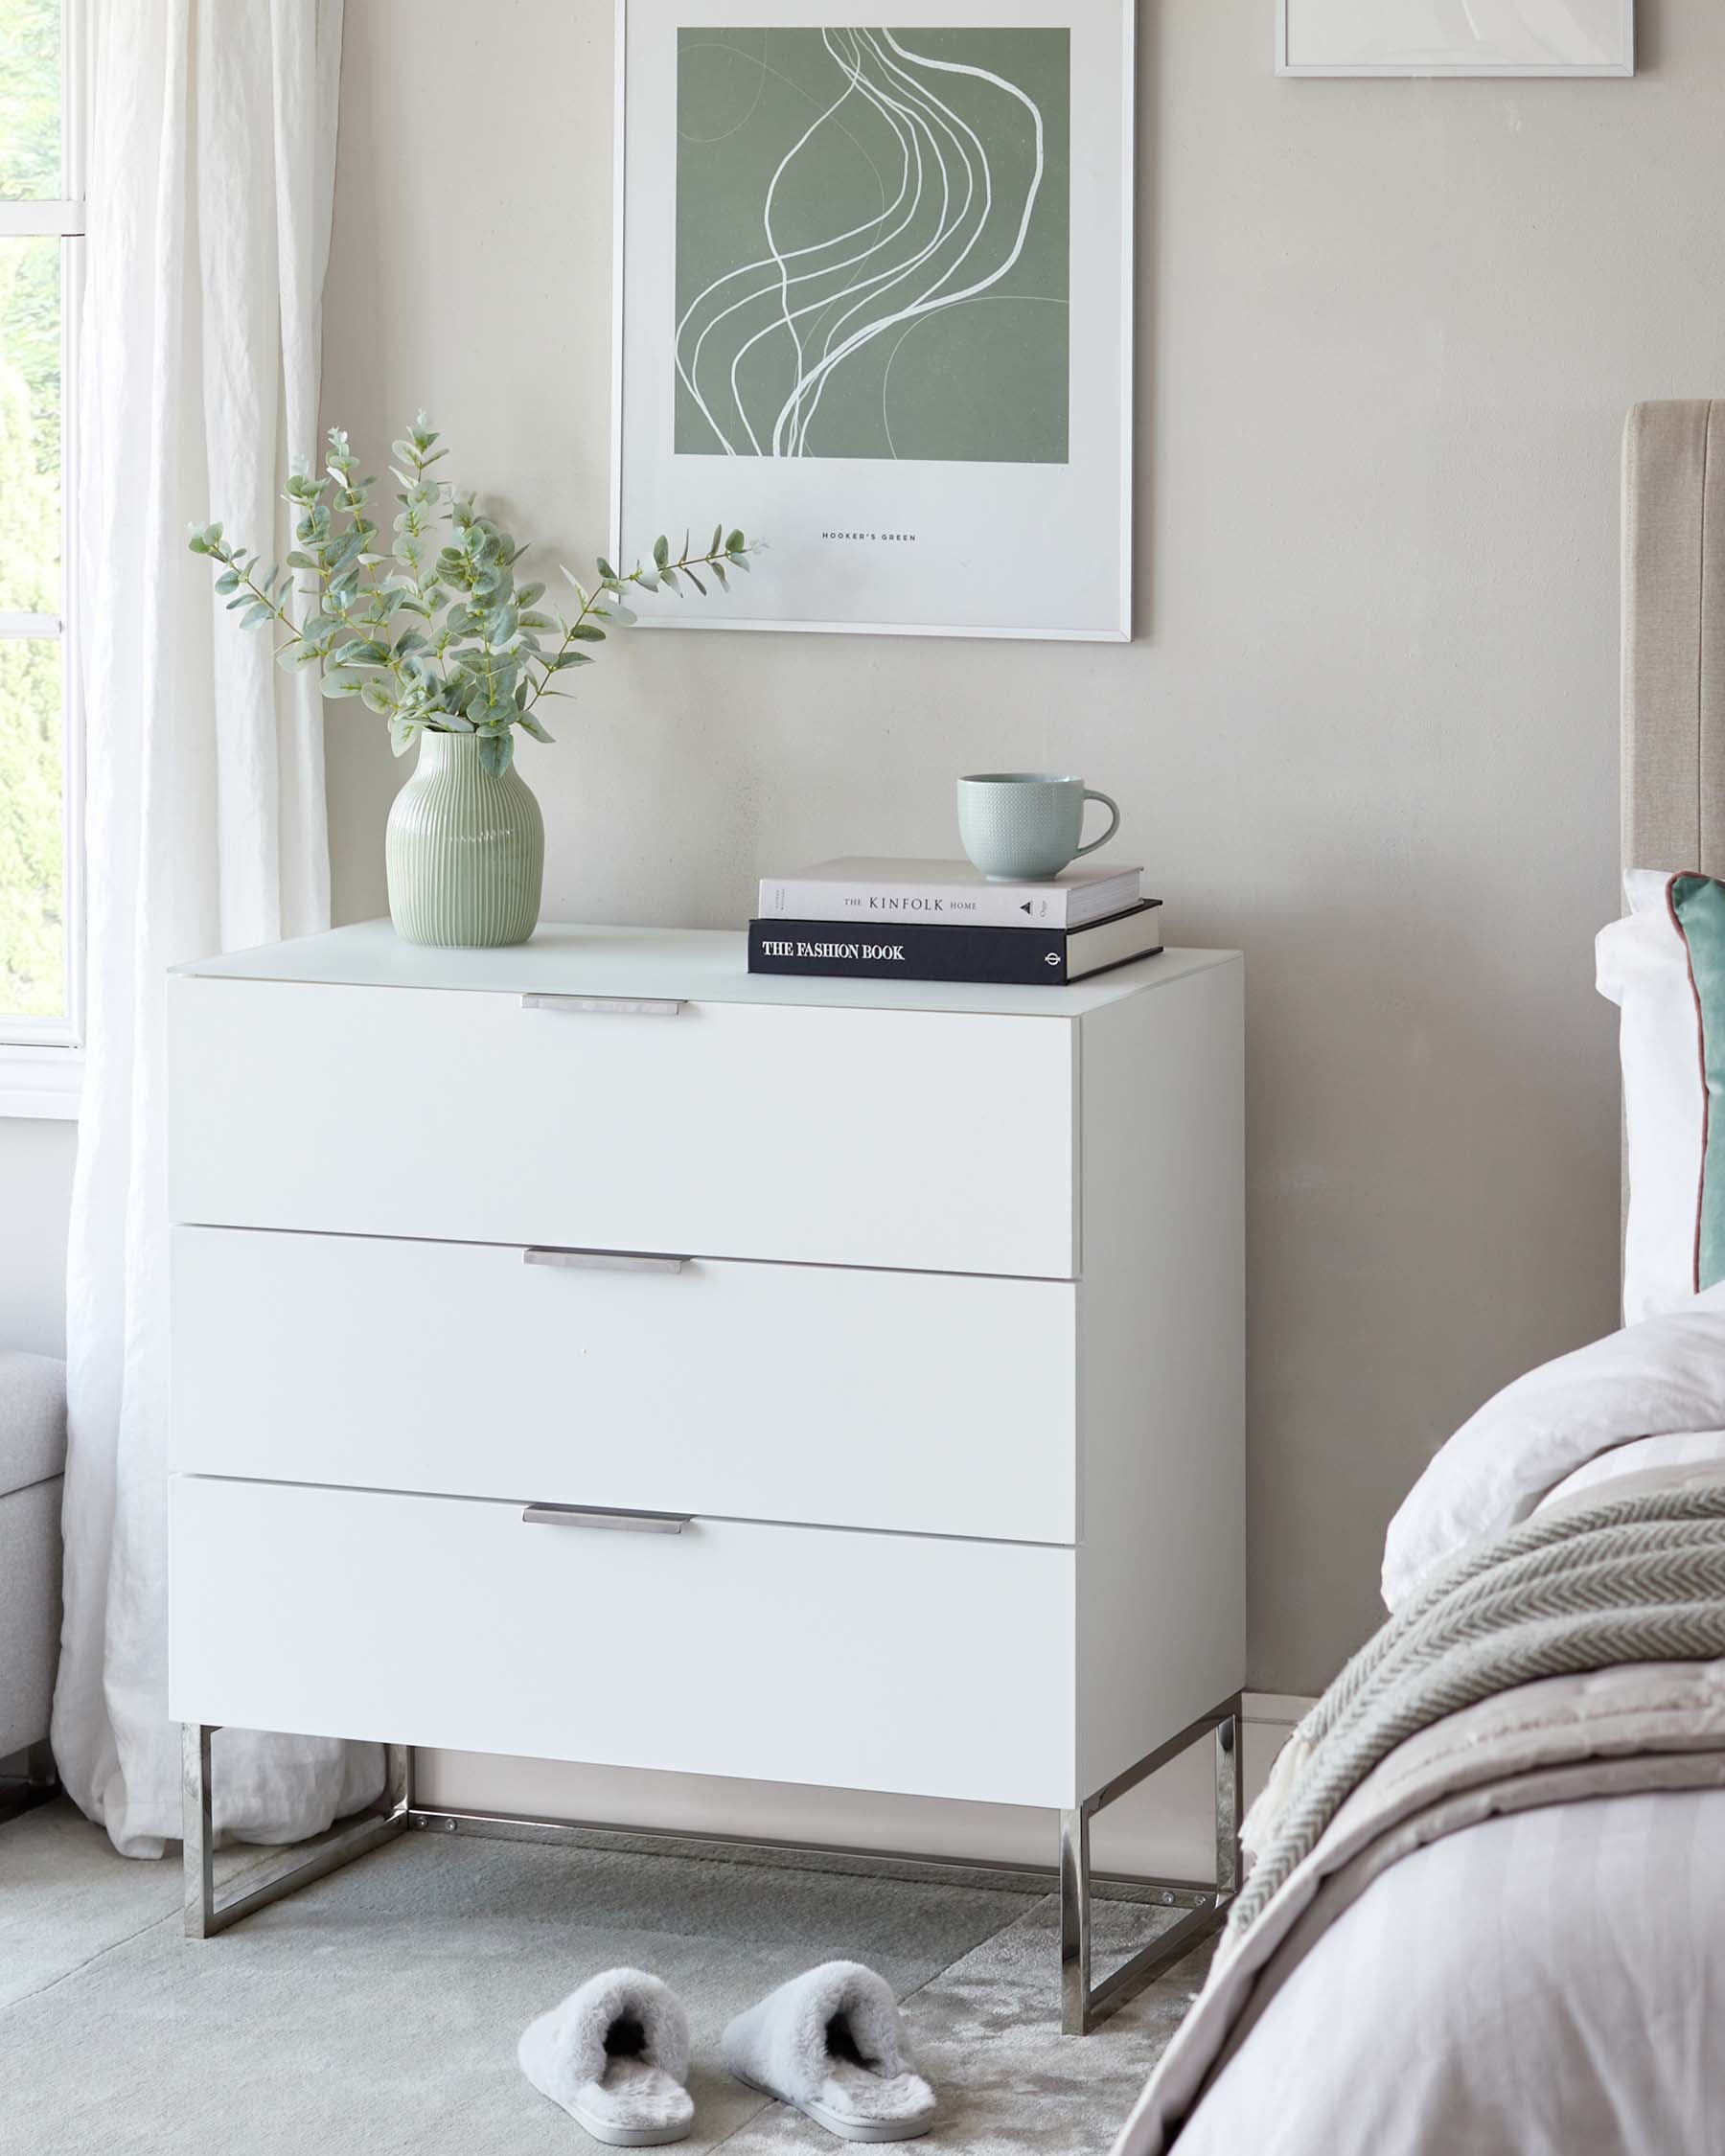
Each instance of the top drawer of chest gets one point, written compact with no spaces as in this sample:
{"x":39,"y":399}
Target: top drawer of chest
{"x":934,"y":1141}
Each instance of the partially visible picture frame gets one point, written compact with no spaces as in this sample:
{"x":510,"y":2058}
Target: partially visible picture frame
{"x":1407,"y":38}
{"x":873,"y":305}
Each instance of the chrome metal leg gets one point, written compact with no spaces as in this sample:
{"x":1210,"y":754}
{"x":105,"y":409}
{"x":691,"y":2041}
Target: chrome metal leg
{"x":280,"y":1875}
{"x":1084,"y":2003}
{"x":1075,"y":1923}
{"x":199,"y":1830}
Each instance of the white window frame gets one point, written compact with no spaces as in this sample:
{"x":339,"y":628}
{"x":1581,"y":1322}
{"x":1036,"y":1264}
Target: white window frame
{"x":42,"y":1060}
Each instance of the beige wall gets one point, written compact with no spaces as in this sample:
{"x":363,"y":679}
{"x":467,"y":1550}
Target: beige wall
{"x":1387,"y":333}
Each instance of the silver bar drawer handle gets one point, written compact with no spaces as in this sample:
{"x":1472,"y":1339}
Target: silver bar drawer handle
{"x":608,"y":1006}
{"x":602,"y":1515}
{"x":606,"y":1261}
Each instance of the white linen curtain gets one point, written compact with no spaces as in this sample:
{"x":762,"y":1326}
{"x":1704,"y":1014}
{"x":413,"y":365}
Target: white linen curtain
{"x":212,"y":155}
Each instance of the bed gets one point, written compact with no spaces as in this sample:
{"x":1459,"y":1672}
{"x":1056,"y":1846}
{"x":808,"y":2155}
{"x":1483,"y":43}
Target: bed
{"x":1508,"y":1933}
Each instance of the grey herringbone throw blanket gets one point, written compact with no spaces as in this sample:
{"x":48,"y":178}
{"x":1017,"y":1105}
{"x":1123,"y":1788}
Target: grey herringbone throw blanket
{"x":1639,"y":1577}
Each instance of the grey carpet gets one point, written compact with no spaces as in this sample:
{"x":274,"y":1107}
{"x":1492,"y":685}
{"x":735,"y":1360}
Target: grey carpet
{"x":377,"y":2011}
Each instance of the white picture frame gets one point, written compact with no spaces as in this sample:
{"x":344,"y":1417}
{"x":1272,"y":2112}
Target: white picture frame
{"x":1403,"y":37}
{"x":874,"y":543}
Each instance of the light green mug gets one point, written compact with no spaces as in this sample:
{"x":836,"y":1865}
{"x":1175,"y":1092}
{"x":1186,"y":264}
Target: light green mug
{"x":1026,"y":826}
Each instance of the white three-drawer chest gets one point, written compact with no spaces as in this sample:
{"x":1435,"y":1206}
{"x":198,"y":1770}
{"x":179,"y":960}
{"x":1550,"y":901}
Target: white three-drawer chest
{"x":591,"y":1352}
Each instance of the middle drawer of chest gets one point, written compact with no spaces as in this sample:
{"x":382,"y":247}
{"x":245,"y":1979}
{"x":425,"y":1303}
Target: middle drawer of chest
{"x":929,"y":1403}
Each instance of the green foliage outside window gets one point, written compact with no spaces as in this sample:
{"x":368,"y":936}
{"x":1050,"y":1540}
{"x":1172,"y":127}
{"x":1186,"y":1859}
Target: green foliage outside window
{"x":32,"y":866}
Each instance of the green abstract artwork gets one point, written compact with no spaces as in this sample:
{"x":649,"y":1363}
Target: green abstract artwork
{"x":873,"y":251}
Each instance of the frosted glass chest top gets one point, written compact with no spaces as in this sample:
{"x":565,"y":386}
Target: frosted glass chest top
{"x":915,"y":1310}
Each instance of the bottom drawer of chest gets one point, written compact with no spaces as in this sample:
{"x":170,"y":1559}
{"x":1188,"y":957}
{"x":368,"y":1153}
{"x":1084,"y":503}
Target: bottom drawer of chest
{"x":903,"y":1662}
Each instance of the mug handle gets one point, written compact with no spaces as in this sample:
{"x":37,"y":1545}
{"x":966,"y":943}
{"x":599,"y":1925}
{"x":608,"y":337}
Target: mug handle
{"x":1114,"y":808}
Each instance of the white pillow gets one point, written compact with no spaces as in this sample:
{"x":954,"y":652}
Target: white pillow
{"x":1649,"y":1380}
{"x":1643,"y":965}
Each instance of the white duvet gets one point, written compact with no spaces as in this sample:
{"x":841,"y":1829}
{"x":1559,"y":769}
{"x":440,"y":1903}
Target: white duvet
{"x":1550,"y":1982}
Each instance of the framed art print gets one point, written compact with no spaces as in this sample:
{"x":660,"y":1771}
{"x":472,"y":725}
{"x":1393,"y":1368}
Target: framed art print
{"x":1454,"y":38}
{"x":874,"y":305}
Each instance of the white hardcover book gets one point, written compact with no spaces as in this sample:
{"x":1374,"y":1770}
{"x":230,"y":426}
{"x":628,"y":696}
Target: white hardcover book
{"x":862,"y":888}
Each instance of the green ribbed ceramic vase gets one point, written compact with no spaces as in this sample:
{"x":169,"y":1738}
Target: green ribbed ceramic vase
{"x":465,"y":851}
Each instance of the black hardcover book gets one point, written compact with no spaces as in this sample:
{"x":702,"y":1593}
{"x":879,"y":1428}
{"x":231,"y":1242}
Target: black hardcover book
{"x":915,"y":951}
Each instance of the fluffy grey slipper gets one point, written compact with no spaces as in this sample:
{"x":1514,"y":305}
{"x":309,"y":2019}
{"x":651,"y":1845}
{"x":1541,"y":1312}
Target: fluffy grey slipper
{"x":615,"y":2055}
{"x":833,"y":2043}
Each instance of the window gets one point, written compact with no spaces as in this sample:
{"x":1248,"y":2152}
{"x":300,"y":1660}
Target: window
{"x":41,"y":221}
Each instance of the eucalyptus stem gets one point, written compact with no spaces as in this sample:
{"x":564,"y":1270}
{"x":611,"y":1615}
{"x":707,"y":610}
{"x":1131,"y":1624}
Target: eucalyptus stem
{"x":470,"y":658}
{"x":717,"y":557}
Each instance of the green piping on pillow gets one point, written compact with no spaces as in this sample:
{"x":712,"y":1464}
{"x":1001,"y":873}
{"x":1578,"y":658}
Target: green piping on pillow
{"x":1698,"y":908}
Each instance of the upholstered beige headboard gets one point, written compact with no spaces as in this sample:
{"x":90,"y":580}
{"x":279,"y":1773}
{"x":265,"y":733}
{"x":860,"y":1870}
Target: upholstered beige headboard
{"x":1673,"y":732}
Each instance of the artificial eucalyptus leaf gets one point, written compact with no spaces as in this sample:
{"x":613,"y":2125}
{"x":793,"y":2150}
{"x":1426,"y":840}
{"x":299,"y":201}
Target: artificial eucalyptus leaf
{"x":496,"y":752}
{"x":478,"y":663}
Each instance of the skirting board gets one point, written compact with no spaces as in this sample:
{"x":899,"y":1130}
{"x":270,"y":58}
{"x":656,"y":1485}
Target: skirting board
{"x":1163,"y":1829}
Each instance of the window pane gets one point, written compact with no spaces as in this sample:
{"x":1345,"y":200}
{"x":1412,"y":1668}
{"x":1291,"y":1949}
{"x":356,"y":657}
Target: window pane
{"x":33,"y":942}
{"x":29,"y":425}
{"x":29,"y":99}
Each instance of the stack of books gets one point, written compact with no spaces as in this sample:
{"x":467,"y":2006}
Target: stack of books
{"x":943,"y":920}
